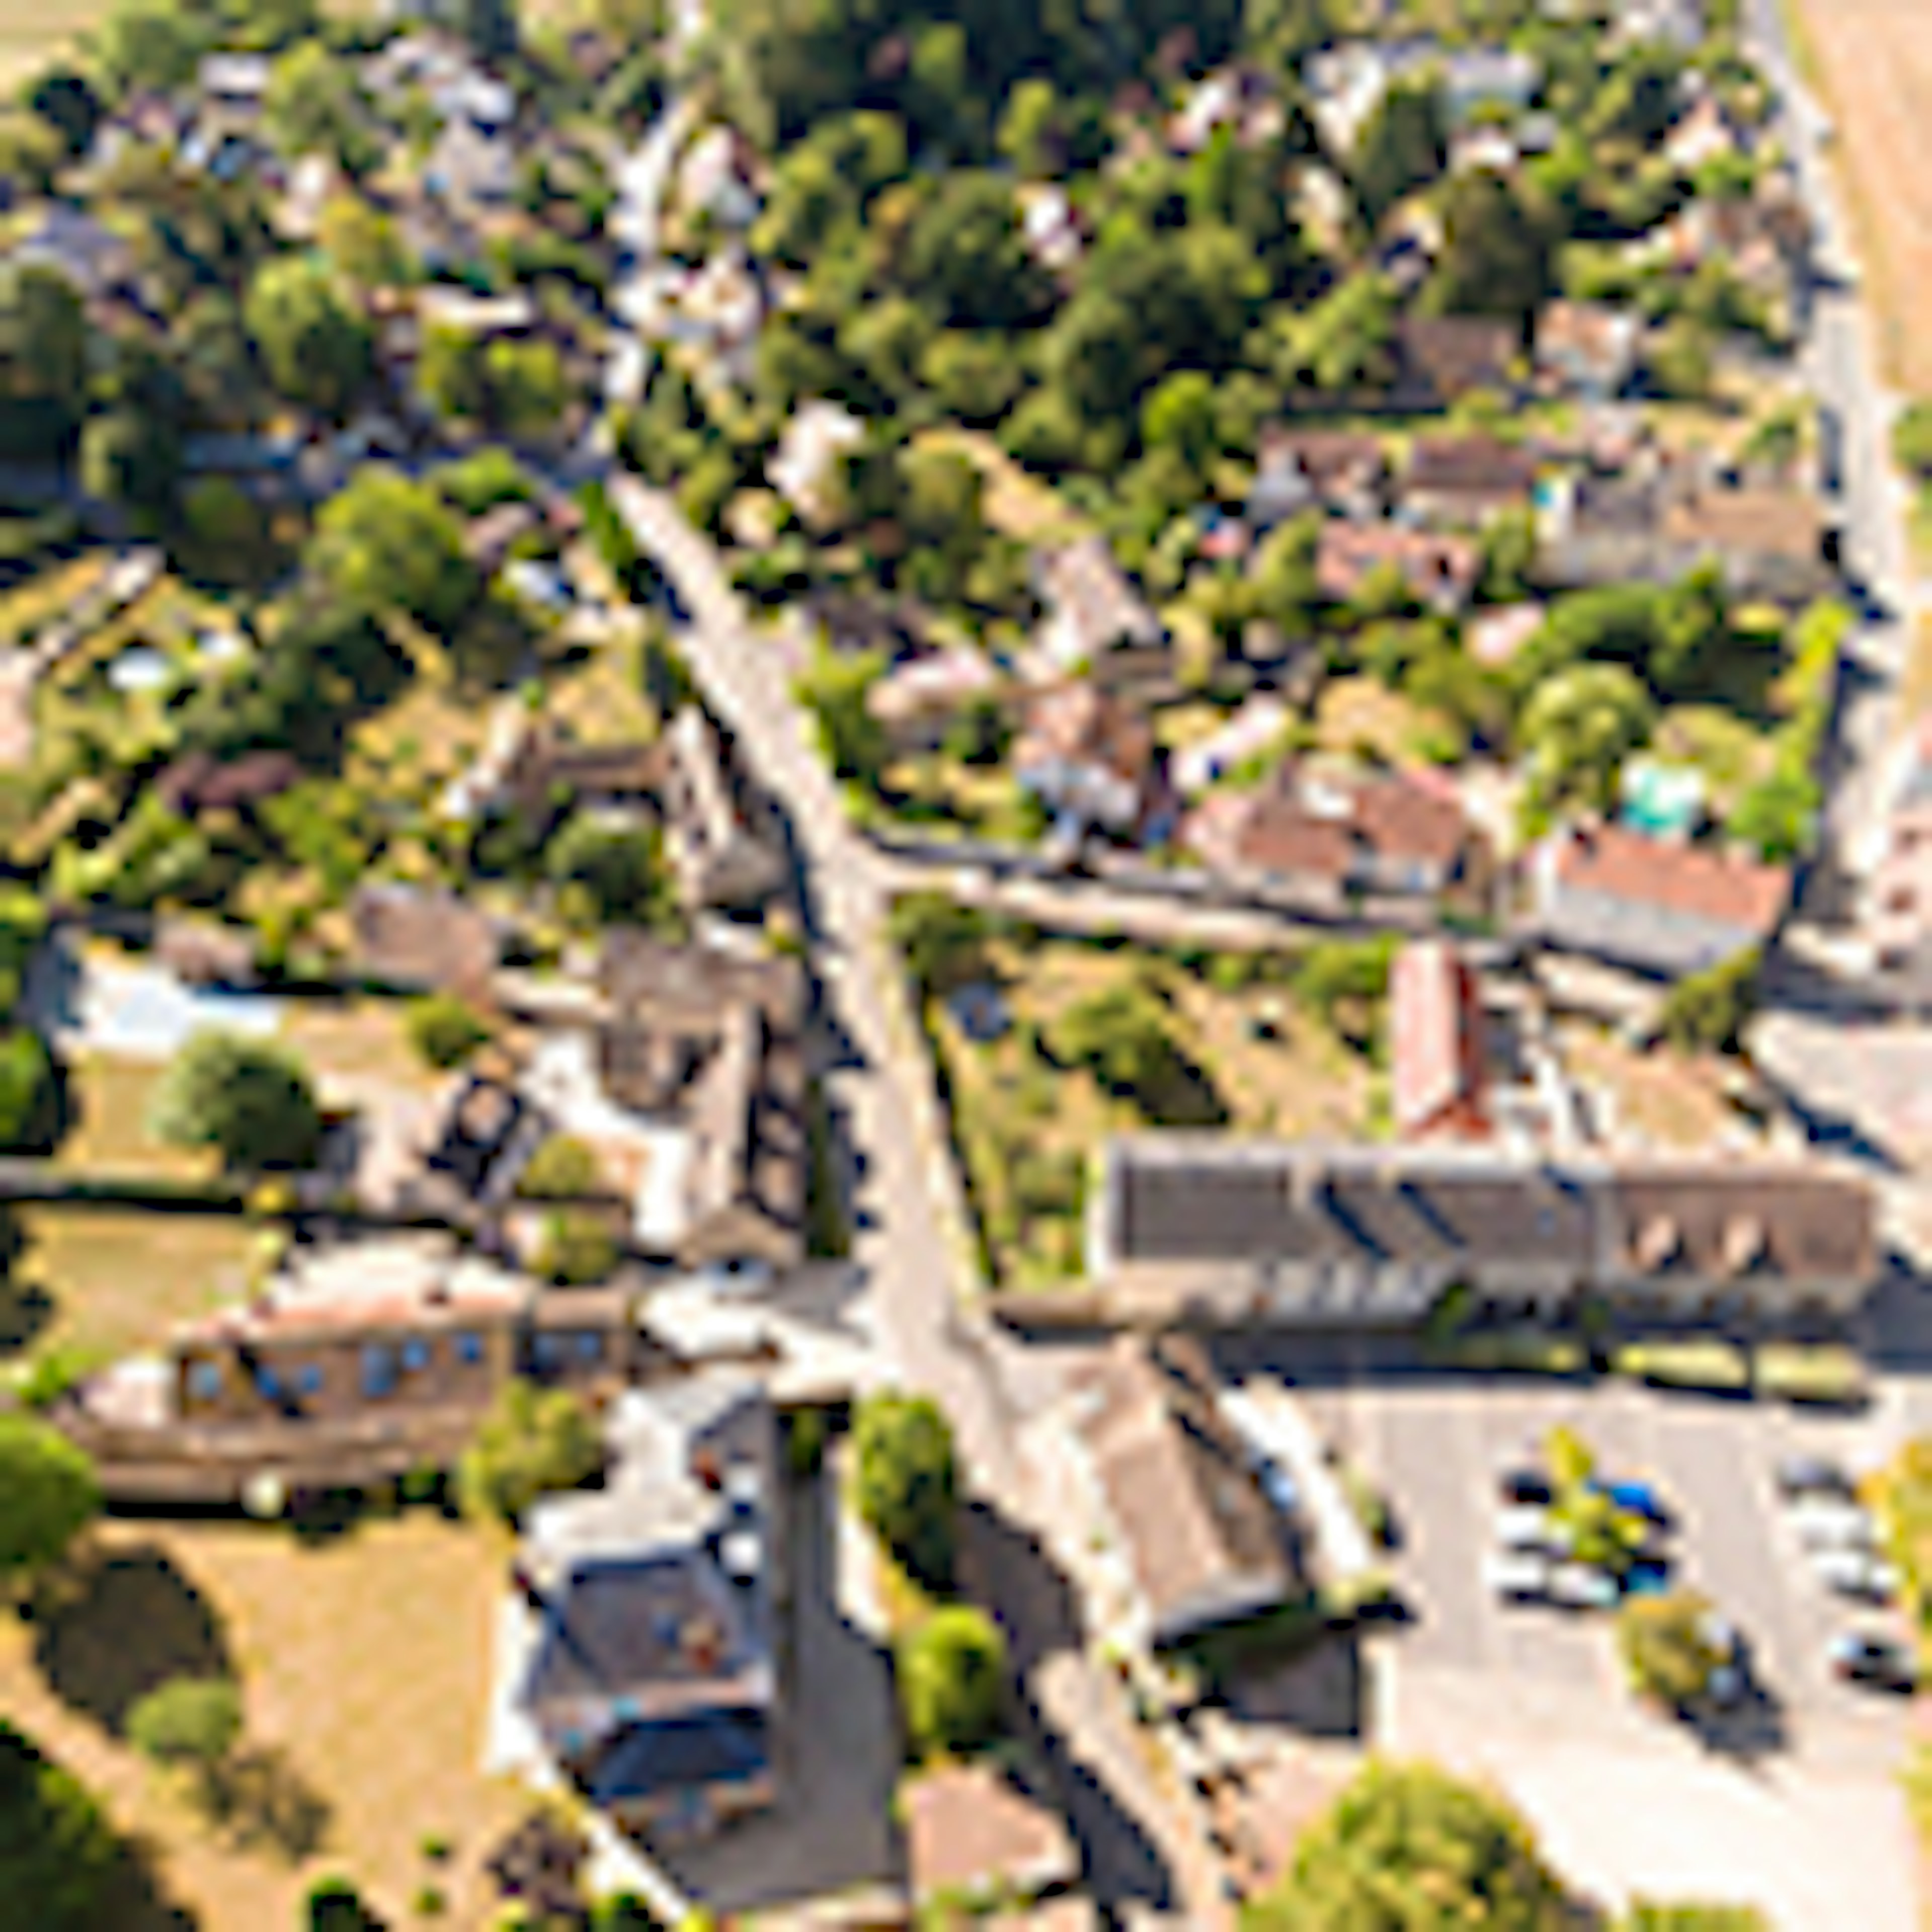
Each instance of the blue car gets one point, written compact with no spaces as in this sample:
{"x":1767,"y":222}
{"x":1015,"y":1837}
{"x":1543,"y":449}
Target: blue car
{"x":1638,"y":1498}
{"x":1646,"y":1577}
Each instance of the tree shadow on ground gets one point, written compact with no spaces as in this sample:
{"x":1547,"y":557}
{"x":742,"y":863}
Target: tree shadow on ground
{"x":133,"y":1899}
{"x":119,"y":1625}
{"x":27,"y":1310}
{"x":262,"y":1803}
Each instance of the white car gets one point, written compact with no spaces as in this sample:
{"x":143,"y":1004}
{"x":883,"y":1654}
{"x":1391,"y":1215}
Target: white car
{"x":1529,"y":1527}
{"x":1516,"y":1575}
{"x":1582,"y":1586}
{"x":1824,"y":1523}
{"x":739,"y":1280}
{"x":1862,"y":1574}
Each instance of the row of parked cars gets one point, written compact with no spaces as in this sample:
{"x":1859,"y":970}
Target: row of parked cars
{"x":1534,"y":1561}
{"x":1839,"y":1540}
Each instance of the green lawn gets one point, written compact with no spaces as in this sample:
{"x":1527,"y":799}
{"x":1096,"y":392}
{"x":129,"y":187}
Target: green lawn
{"x":96,"y":1283}
{"x":111,"y":1099}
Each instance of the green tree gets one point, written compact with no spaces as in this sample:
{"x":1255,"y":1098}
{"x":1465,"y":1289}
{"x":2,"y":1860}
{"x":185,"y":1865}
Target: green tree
{"x":132,"y":456}
{"x":834,"y":688}
{"x":1648,"y":1915}
{"x":526,"y":388}
{"x":1572,"y":1461}
{"x":533,"y":1441}
{"x":43,"y":339}
{"x":1346,"y":982}
{"x":315,"y":105}
{"x":386,"y":542}
{"x":445,"y":1030}
{"x":334,"y":1905}
{"x":1665,"y":1648}
{"x":316,"y":350}
{"x":1179,"y":415}
{"x":150,"y":44}
{"x":621,"y":868}
{"x":362,"y":245}
{"x":249,"y":1100}
{"x":1911,"y":440}
{"x":33,"y":1094}
{"x":561,"y":1169}
{"x":1402,"y":146}
{"x":1409,"y":1845}
{"x":952,"y":1670}
{"x":1496,"y":258}
{"x":907,"y":1484}
{"x":48,"y":1494}
{"x":1708,"y":1011}
{"x":1777,"y":816}
{"x":966,"y":256}
{"x":191,"y":1722}
{"x":577,"y":1251}
{"x":1346,"y":341}
{"x":942,"y":942}
{"x":1029,"y":133}
{"x":1578,"y":727}
{"x":1682,"y":359}
{"x":57,"y":1851}
{"x":66,"y":101}
{"x":975,"y":377}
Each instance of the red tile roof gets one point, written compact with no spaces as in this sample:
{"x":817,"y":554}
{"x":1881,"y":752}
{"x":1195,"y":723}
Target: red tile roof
{"x":1716,"y":884}
{"x":1436,"y":1038}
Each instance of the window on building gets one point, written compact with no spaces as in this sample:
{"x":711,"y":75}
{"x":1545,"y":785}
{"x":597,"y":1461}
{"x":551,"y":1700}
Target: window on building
{"x":416,"y":1357}
{"x":379,"y":1370}
{"x":309,"y":1382}
{"x":204,"y":1381}
{"x":469,"y":1347}
{"x":590,"y":1347}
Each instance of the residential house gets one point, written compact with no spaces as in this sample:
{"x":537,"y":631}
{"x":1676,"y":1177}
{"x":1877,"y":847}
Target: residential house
{"x":1346,"y":84}
{"x":650,"y":1676}
{"x":1206,"y":1229}
{"x":1485,"y":146}
{"x":488,"y":540}
{"x":919,"y":699}
{"x":199,"y":782}
{"x":1436,"y":1042}
{"x":1238,"y":98}
{"x":1495,"y":638}
{"x":1192,"y":1541}
{"x":443,"y":305}
{"x":683,"y":1069}
{"x":1461,"y":482}
{"x":1589,"y":349}
{"x":804,"y":469}
{"x":314,"y":181}
{"x":973,"y":1833}
{"x":1097,"y":626}
{"x":1439,"y":570}
{"x":718,"y":858}
{"x":1441,"y":358}
{"x":1256,"y":729}
{"x":1660,"y":907}
{"x":95,"y":259}
{"x":533,"y":765}
{"x":1659,"y":521}
{"x":414,"y":939}
{"x":1345,"y":474}
{"x":713,"y":180}
{"x":1321,"y":837}
{"x":1088,"y":757}
{"x":1899,"y":893}
{"x":1682,"y":24}
{"x":406,"y":1326}
{"x":1050,"y":227}
{"x":234,"y":86}
{"x":471,"y":168}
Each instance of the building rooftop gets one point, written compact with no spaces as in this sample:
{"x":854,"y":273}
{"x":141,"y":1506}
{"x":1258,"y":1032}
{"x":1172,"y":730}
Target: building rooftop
{"x":969,"y":1829}
{"x":1721,"y":886}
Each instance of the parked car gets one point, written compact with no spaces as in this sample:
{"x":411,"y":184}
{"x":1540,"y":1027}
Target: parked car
{"x":1582,"y":1586}
{"x":743,"y":1279}
{"x":1803,"y":1476}
{"x":1823,"y":1523}
{"x":1730,"y":1675}
{"x":1637,"y":1499}
{"x":1862,"y":1574}
{"x":1874,"y":1657}
{"x":1517,"y":1576}
{"x":1528,"y":1526}
{"x":1277,"y":1485}
{"x":1647,"y":1576}
{"x":1523,"y":1484}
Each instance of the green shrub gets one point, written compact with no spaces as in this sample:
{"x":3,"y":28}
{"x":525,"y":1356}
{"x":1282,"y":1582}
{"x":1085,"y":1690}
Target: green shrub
{"x":907,"y":1483}
{"x":1666,"y":1653}
{"x":577,"y":1251}
{"x":952,"y":1673}
{"x":1708,"y":1011}
{"x":534,"y":1440}
{"x":1703,"y":1364}
{"x":561,"y":1169}
{"x":192,"y":1721}
{"x":1815,"y":1372}
{"x":445,"y":1031}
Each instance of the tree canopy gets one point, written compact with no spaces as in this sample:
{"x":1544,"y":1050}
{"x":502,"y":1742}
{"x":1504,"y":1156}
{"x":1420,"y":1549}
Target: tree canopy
{"x":48,"y":1495}
{"x":248,"y":1100}
{"x":57,"y":1851}
{"x":951,"y":1671}
{"x":316,"y":350}
{"x":1409,"y":1845}
{"x":386,"y":542}
{"x":533,"y":1441}
{"x":907,"y":1485}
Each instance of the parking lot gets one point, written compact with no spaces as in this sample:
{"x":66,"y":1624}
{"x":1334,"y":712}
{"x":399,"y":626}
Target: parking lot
{"x":1794,"y":1803}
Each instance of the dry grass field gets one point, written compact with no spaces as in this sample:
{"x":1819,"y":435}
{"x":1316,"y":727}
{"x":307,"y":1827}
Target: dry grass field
{"x":31,"y":35}
{"x":364,"y":1668}
{"x":1873,"y":59}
